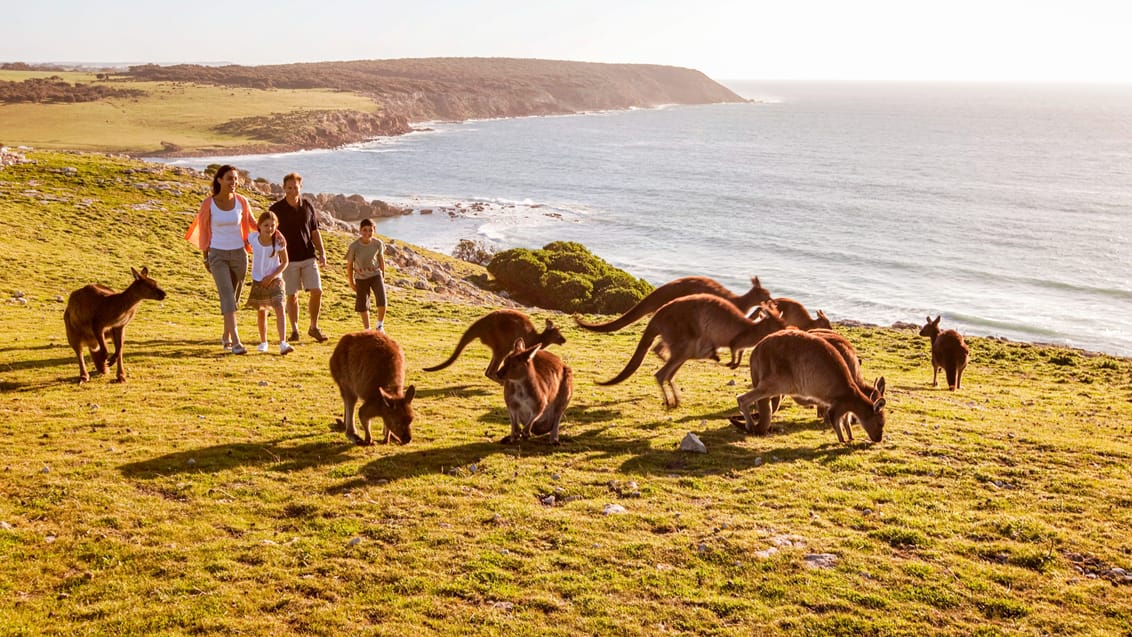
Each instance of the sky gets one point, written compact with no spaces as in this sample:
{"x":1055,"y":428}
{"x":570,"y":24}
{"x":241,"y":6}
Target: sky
{"x":925,"y":40}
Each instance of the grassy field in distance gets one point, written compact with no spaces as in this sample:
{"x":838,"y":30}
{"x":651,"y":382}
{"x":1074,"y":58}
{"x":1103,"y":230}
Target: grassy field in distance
{"x":182,"y":114}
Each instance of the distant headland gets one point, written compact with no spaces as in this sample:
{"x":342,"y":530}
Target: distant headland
{"x":395,"y":94}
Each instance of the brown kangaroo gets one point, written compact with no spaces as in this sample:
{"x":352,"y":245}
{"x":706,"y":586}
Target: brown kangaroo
{"x":369,"y":365}
{"x":695,"y":327}
{"x":797,"y":363}
{"x":537,"y":386}
{"x":94,"y":310}
{"x":678,"y":288}
{"x":498,"y":330}
{"x":796,"y":314}
{"x":949,"y":352}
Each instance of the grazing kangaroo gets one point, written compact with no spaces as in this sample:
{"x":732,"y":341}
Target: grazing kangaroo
{"x":695,"y":327}
{"x":678,"y":288}
{"x":94,"y":310}
{"x":498,"y":330}
{"x":949,"y":352}
{"x":796,"y":314}
{"x":797,"y":363}
{"x":369,"y":365}
{"x":537,"y":386}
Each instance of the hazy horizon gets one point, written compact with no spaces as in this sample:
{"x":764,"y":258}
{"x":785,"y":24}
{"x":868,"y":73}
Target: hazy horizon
{"x":809,"y":40}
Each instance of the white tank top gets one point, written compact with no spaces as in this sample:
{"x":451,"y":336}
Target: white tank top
{"x":262,"y":260}
{"x":226,"y":233}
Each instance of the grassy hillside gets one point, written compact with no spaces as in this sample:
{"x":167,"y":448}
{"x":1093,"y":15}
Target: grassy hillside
{"x":211,"y":495}
{"x":181,"y":113}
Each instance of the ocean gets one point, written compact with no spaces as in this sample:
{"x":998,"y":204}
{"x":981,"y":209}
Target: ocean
{"x":1007,"y":209}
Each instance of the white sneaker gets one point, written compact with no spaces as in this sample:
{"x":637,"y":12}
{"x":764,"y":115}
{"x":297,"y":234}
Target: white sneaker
{"x":262,"y":347}
{"x":284,"y":349}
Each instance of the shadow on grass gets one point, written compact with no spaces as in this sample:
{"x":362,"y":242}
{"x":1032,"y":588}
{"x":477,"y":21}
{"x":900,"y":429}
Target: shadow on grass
{"x":134,"y":351}
{"x":455,"y":391}
{"x":277,"y":454}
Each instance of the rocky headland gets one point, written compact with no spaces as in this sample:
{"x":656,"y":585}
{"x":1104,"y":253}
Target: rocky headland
{"x":425,"y":89}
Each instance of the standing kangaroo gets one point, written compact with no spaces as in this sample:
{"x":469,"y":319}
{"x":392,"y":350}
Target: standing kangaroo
{"x":949,"y":352}
{"x":94,"y":310}
{"x":796,"y":314}
{"x":498,"y":330}
{"x":369,"y":365}
{"x":678,"y":288}
{"x":537,"y":386}
{"x":797,"y":363}
{"x":695,"y":327}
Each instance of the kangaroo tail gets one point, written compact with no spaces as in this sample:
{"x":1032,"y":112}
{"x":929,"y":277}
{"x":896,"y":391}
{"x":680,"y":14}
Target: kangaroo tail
{"x":952,"y":371}
{"x":468,"y":337}
{"x":638,"y":356}
{"x":644,"y":307}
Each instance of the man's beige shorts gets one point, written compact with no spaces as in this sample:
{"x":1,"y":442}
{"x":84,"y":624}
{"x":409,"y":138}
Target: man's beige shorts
{"x":301,"y":275}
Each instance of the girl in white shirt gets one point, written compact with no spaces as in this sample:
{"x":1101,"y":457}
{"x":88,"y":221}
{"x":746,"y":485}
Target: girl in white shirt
{"x":269,"y":258}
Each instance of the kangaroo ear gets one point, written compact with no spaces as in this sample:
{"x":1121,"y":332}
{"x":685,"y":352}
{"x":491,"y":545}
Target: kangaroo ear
{"x":549,"y":325}
{"x":518,"y":346}
{"x":879,"y":385}
{"x":936,"y":321}
{"x":410,"y":391}
{"x":386,"y":397}
{"x":530,"y":354}
{"x":878,"y":405}
{"x":135,"y":273}
{"x":822,"y":315}
{"x":929,"y":319}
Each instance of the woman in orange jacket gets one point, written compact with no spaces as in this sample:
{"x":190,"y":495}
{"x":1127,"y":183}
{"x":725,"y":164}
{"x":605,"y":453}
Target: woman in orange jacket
{"x":220,"y":230}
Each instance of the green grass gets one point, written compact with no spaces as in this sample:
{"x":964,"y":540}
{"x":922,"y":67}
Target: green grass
{"x":179,"y":113}
{"x":210,"y":495}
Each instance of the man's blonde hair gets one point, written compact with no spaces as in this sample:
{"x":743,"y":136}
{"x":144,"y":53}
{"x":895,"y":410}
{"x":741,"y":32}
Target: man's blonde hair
{"x":295,"y":177}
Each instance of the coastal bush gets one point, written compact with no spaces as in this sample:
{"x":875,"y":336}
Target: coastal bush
{"x":566,"y":276}
{"x":474,"y":251}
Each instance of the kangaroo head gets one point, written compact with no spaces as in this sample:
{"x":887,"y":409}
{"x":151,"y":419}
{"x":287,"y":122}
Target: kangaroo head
{"x":873,"y":423}
{"x":149,"y":288}
{"x":931,"y":328}
{"x":757,"y":294}
{"x":551,"y":335}
{"x":822,"y":321}
{"x":398,"y":413}
{"x":515,"y":365}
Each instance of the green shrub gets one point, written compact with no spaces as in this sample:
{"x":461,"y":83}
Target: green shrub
{"x":521,"y":273}
{"x":568,"y":290}
{"x":565,"y":276}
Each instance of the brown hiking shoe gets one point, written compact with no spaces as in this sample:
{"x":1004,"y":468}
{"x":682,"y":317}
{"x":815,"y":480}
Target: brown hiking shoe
{"x":317,"y":335}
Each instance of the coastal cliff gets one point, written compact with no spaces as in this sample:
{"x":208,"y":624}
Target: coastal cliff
{"x":416,"y":90}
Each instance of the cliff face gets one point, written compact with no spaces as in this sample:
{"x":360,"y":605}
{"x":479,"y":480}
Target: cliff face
{"x":466,"y":88}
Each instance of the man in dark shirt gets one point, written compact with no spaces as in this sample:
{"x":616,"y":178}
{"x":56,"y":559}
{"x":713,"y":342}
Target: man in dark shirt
{"x":298,"y":222}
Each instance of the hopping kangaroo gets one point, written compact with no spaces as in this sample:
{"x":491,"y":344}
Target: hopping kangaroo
{"x":369,"y":366}
{"x":797,"y":363}
{"x":949,"y":352}
{"x":498,"y":330}
{"x":678,"y":288}
{"x":94,"y":310}
{"x":695,"y":327}
{"x":537,"y":386}
{"x":796,"y":314}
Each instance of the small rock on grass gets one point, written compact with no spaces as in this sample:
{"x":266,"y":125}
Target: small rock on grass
{"x":692,"y":443}
{"x":613,"y":509}
{"x":821,"y":560}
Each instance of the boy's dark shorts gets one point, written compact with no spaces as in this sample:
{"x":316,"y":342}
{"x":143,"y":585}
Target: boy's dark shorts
{"x":377,"y":284}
